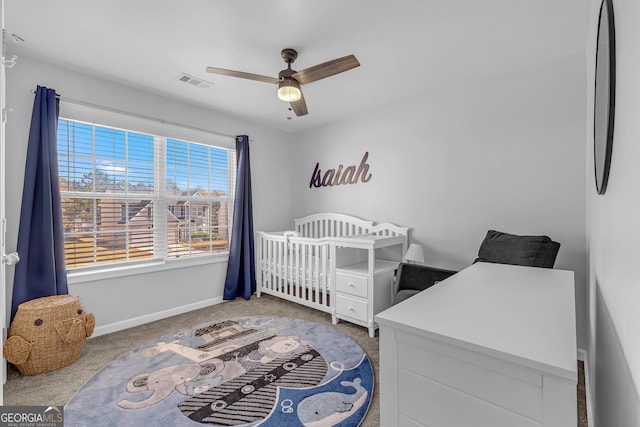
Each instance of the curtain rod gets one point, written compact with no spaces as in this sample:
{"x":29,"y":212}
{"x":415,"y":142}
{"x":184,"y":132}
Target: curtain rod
{"x":139,"y":116}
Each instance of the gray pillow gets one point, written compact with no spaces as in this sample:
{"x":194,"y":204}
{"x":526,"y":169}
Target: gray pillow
{"x":505,"y":248}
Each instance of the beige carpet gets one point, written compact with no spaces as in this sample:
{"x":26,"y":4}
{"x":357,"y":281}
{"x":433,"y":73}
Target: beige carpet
{"x":57,"y":387}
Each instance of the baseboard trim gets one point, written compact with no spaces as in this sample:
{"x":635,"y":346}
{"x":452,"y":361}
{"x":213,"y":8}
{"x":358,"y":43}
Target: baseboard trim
{"x":141,"y":320}
{"x":582,"y":355}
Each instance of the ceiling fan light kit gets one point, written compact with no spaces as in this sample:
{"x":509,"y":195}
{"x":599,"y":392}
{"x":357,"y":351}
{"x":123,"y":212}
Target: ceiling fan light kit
{"x":289,"y":80}
{"x":289,"y":90}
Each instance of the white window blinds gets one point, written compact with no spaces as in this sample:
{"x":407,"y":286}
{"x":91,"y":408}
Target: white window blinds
{"x":130,"y":196}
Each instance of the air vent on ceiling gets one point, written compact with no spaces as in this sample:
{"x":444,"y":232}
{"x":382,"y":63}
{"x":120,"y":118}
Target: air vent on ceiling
{"x":187,"y":78}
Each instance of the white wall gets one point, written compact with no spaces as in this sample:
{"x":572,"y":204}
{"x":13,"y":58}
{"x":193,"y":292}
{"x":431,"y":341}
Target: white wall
{"x":614,"y":232}
{"x":127,"y":300}
{"x":505,"y":153}
{"x":3,"y":308}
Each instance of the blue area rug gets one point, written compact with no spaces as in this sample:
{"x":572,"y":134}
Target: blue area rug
{"x":246,"y":371}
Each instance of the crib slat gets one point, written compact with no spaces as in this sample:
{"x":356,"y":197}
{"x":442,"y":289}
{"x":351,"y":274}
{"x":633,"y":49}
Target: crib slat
{"x":275,"y":283}
{"x":267,"y":263}
{"x":283,"y":278}
{"x":299,"y":257}
{"x":315,"y":279}
{"x":295,"y":267}
{"x":270,"y":264}
{"x":303,"y":268}
{"x":322,"y":276}
{"x":309,"y":281}
{"x":276,"y":266}
{"x":283,"y":263}
{"x":286,"y":250}
{"x":258,"y":265}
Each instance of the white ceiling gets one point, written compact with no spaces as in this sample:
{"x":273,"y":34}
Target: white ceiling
{"x":406,"y":47}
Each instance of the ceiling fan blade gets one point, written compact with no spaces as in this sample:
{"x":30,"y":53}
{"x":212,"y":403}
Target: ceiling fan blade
{"x":243,"y":75}
{"x":300,"y":106}
{"x":326,"y":69}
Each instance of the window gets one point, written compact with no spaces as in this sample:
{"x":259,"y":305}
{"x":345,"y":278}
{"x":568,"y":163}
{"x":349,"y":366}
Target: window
{"x":129,"y":196}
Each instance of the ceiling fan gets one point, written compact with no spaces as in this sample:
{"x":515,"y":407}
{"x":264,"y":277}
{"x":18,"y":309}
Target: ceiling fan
{"x":289,"y":80}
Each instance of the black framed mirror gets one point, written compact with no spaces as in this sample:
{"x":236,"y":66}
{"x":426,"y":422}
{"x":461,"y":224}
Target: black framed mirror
{"x":605,"y":90}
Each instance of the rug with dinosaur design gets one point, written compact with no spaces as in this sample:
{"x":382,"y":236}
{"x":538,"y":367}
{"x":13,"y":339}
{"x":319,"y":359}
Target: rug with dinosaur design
{"x":246,"y":371}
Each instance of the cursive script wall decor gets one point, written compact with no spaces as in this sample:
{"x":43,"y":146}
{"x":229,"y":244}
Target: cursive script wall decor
{"x":350,"y":175}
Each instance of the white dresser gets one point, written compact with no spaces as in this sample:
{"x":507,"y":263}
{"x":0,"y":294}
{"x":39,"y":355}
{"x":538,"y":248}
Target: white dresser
{"x":493,"y":345}
{"x":363,"y":280}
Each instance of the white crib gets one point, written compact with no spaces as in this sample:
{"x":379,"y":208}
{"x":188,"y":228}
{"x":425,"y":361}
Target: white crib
{"x":296,"y":265}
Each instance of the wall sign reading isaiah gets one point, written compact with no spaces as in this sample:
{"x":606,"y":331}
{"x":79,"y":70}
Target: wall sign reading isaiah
{"x":350,"y":175}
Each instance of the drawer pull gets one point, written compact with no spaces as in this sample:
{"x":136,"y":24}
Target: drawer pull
{"x":351,"y":308}
{"x":351,"y":285}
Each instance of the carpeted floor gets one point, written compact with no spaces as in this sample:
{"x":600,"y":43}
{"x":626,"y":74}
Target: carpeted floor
{"x":57,"y":387}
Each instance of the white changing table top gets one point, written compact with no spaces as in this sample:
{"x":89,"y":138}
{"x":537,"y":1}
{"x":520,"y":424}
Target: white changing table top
{"x":370,"y":239}
{"x":521,"y":314}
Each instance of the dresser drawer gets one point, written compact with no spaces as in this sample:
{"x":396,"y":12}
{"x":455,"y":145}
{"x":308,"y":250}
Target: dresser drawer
{"x":351,"y":284}
{"x":489,"y":387}
{"x":351,"y":307}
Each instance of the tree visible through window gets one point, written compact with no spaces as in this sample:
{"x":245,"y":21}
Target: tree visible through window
{"x":129,"y":196}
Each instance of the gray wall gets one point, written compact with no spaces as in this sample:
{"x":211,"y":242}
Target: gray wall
{"x":129,"y":300}
{"x":504,"y":153}
{"x":614,"y":232}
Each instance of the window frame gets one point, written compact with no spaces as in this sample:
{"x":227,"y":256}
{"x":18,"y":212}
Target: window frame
{"x":142,"y":124}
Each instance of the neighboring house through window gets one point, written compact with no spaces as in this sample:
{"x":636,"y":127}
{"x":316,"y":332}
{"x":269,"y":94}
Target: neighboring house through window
{"x":132,"y":196}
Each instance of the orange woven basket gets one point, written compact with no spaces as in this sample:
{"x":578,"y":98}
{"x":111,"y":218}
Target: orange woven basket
{"x":47,"y":333}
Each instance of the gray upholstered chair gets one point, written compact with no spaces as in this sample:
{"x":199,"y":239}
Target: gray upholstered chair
{"x":414,"y":278}
{"x":497,"y":247}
